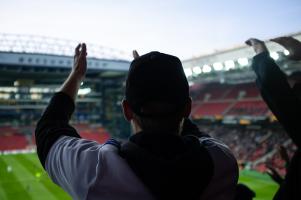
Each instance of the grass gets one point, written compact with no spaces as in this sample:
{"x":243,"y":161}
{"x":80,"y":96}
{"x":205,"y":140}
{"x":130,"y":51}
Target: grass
{"x":26,"y":179}
{"x":262,"y":184}
{"x":23,"y":177}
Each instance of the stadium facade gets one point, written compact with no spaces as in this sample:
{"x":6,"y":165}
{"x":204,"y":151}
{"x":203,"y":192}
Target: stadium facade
{"x":32,"y":68}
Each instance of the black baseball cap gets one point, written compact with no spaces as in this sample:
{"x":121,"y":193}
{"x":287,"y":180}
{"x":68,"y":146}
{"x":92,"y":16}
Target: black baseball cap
{"x":156,"y":78}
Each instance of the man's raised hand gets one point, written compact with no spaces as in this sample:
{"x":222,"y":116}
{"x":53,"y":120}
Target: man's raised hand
{"x":80,"y":61}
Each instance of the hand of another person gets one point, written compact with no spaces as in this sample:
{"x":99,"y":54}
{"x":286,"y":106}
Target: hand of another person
{"x":292,"y":45}
{"x":274,"y":174}
{"x":80,"y":61}
{"x":258,"y":45}
{"x":135,"y":54}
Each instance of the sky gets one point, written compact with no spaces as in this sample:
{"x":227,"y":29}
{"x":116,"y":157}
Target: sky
{"x":185,"y":28}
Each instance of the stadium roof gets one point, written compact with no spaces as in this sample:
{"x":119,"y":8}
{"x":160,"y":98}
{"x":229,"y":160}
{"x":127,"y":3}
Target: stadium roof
{"x":55,"y":46}
{"x":233,"y":65}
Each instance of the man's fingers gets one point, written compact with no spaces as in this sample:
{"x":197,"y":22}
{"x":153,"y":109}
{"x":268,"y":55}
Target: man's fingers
{"x":77,"y":50}
{"x":83,"y":51}
{"x":84,"y":48}
{"x":135,"y":54}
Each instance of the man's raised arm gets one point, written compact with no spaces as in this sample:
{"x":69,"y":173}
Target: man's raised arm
{"x":54,"y":122}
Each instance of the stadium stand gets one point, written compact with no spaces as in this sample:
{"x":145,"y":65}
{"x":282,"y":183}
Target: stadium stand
{"x":210,"y":109}
{"x":253,"y":148}
{"x":11,"y":138}
{"x":249,"y":107}
{"x":225,"y":99}
{"x":96,"y":133}
{"x":249,"y":89}
{"x":22,"y":137}
{"x":211,"y":91}
{"x":12,"y":142}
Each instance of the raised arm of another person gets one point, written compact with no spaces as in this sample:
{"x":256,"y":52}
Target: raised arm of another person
{"x":275,"y":90}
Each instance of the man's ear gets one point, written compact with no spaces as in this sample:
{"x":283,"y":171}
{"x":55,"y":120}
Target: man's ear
{"x":127,"y":111}
{"x":187,"y":109}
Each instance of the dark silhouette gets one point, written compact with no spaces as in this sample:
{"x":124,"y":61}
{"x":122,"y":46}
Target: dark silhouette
{"x":283,"y":99}
{"x":167,"y":157}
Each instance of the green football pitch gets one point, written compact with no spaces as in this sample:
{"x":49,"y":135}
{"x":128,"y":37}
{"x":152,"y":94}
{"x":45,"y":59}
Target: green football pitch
{"x":22,"y":177}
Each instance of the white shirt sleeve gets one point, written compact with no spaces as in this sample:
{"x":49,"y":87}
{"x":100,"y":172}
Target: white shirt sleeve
{"x":74,"y":164}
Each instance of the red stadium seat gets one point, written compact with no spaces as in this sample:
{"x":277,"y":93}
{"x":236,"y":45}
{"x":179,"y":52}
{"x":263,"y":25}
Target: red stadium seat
{"x":211,"y":109}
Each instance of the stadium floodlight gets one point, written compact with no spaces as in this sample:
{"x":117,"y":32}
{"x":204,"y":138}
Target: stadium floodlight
{"x":16,"y":83}
{"x":188,"y":72}
{"x":84,"y":91}
{"x":243,"y":61}
{"x":4,"y":96}
{"x":190,"y":83}
{"x":39,"y":90}
{"x":8,"y":89}
{"x":197,"y":70}
{"x":218,"y":66}
{"x":206,"y":69}
{"x":35,"y":96}
{"x":229,"y":64}
{"x":286,"y":52}
{"x":274,"y":55}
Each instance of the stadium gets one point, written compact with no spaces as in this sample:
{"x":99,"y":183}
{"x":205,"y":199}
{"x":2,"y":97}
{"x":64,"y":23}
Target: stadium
{"x":226,"y":104}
